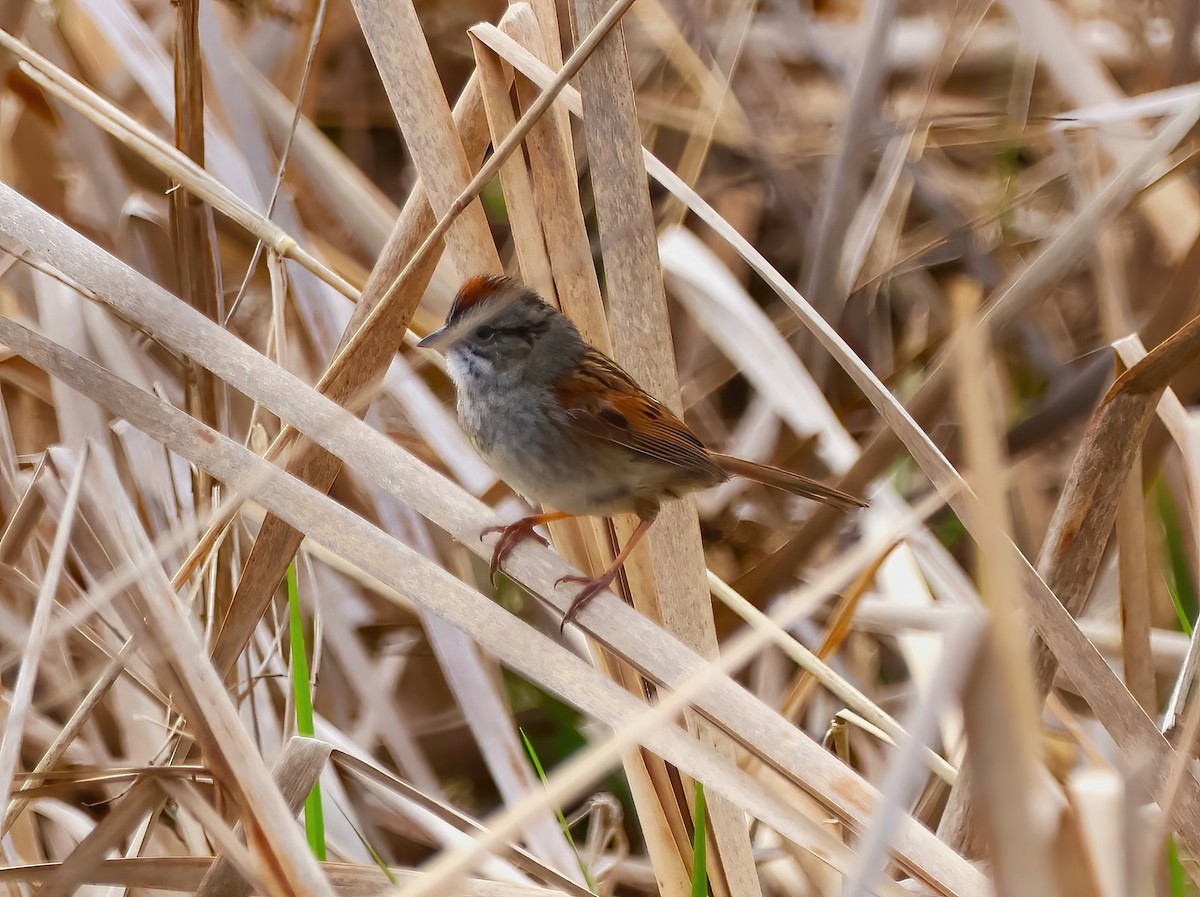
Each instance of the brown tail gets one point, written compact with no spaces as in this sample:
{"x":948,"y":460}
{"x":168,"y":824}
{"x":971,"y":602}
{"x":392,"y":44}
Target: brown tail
{"x":787,"y":481}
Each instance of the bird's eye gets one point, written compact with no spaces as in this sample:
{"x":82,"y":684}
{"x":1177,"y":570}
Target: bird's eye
{"x":485,"y":334}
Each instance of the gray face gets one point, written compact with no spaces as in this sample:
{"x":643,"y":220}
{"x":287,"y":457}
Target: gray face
{"x":508,"y":341}
{"x":493,"y":345}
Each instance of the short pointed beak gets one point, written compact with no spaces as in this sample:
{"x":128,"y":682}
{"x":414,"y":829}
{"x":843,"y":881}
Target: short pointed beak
{"x":435,"y":340}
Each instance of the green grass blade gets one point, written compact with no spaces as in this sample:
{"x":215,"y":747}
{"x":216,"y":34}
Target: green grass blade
{"x":700,"y":844}
{"x":1177,"y":874}
{"x":562,"y":820}
{"x":314,"y":811}
{"x":1176,"y":572}
{"x":375,"y":857}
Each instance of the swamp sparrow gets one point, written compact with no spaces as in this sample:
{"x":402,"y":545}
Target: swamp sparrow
{"x":566,"y":427}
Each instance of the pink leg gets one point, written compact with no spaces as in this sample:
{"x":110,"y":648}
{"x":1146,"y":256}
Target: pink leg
{"x":593,"y":587}
{"x":514,"y":534}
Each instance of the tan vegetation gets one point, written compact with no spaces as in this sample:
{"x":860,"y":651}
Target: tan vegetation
{"x":941,"y":255}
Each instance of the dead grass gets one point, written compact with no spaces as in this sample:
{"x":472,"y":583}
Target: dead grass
{"x":215,"y":254}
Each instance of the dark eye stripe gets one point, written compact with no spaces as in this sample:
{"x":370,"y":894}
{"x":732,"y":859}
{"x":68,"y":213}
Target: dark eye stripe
{"x":524,"y":332}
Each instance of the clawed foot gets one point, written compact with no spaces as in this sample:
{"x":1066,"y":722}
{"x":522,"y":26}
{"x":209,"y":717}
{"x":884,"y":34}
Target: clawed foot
{"x":510,"y":537}
{"x":591,"y":588}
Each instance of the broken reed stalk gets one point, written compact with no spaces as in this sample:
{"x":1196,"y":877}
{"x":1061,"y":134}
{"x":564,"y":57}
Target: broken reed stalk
{"x":1083,"y":520}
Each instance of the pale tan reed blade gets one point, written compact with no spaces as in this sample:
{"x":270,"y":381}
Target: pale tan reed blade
{"x":22,"y":694}
{"x":669,"y":578}
{"x":160,"y":153}
{"x":1136,"y":578}
{"x":65,"y":879}
{"x":1002,"y":791}
{"x":532,"y":260}
{"x":956,"y":152}
{"x":368,"y":772}
{"x":1118,"y":712}
{"x":297,"y":768}
{"x":1173,"y":212}
{"x":402,"y":56}
{"x":559,"y":206}
{"x":666,"y":662}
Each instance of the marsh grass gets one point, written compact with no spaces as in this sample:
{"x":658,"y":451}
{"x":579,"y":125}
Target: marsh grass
{"x":945,"y":257}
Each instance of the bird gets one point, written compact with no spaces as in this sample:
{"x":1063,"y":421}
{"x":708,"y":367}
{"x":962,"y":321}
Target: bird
{"x":566,"y":427}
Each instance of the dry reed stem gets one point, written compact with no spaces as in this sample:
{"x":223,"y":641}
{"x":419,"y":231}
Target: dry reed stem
{"x":161,"y":154}
{"x":519,"y":203}
{"x":297,"y":768}
{"x":616,"y":626}
{"x":1173,"y":210}
{"x":1000,"y":706}
{"x":1117,"y":711}
{"x":404,"y":62}
{"x":1135,"y":573}
{"x":588,"y":544}
{"x":1087,"y":509}
{"x":22,"y":693}
{"x":523,"y":650}
{"x":755,"y":180}
{"x":671,"y":586}
{"x":820,"y":672}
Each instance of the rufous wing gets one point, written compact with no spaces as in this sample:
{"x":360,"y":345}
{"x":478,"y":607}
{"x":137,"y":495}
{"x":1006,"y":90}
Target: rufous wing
{"x":605,"y":402}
